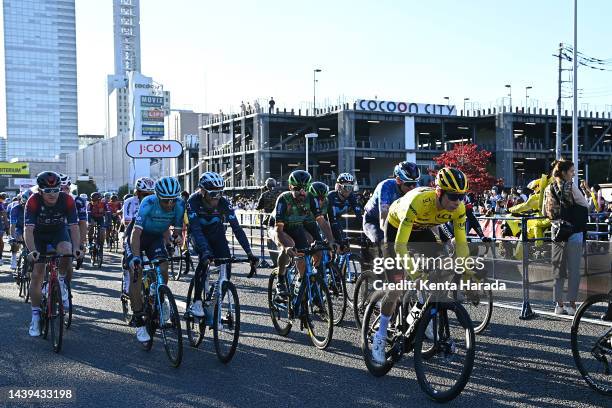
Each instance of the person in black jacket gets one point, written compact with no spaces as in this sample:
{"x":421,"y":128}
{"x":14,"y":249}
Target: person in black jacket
{"x":267,"y":203}
{"x":565,"y":204}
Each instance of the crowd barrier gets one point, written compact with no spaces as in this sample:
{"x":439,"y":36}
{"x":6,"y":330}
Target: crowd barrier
{"x":599,"y":236}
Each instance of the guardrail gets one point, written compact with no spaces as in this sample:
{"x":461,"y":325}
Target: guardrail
{"x":600,"y":232}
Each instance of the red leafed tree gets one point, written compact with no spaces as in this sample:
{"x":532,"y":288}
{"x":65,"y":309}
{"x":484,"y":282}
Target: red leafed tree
{"x":473,"y":162}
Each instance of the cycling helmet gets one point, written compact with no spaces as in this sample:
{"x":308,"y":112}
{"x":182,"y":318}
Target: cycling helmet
{"x":95,"y":196}
{"x":114,"y":197}
{"x":300,"y":178}
{"x":25,"y":195}
{"x":17,"y":197}
{"x":270,"y":183}
{"x":127,"y":196}
{"x":452,"y":180}
{"x":211,"y":181}
{"x":318,"y":189}
{"x":64,"y":180}
{"x":48,"y":179}
{"x":145,"y":184}
{"x":407,"y":171}
{"x":167,"y":187}
{"x":107,"y":195}
{"x":345,"y":178}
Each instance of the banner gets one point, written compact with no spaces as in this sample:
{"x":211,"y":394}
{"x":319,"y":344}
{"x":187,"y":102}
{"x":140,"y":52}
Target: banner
{"x":153,"y":115}
{"x":152,"y":130}
{"x":14,"y":169}
{"x":374,"y":105}
{"x":152,"y":101}
{"x":143,"y":149}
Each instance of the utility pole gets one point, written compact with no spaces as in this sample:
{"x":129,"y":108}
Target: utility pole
{"x":558,"y":138}
{"x":575,"y":113}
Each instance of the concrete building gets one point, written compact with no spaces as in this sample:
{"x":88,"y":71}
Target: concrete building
{"x":41,"y":78}
{"x":368,"y":137}
{"x":183,"y":126}
{"x":126,"y":36}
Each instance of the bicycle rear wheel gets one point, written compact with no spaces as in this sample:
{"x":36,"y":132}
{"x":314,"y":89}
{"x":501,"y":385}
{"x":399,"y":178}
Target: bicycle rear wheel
{"x":591,"y":339}
{"x":56,"y":316}
{"x":337,"y":289}
{"x":444,"y":370}
{"x":170,"y":327}
{"x":226,"y":323}
{"x":351,"y":278}
{"x":195,"y":326}
{"x":100,"y":256}
{"x":149,"y":320}
{"x":371,"y":323}
{"x":319,"y":314}
{"x":125,"y":301}
{"x":279,"y":306}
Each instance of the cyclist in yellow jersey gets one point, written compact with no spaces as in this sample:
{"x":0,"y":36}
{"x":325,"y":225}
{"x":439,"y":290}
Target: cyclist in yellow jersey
{"x":410,"y":219}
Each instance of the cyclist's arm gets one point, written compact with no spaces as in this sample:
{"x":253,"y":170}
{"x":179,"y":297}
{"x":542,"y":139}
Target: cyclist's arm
{"x":326,"y":228}
{"x":474,"y":223}
{"x":29,"y":237}
{"x":72,"y":220}
{"x":135,"y":240}
{"x":283,"y":238}
{"x":195,"y":229}
{"x":31,"y":212}
{"x":384,"y":204}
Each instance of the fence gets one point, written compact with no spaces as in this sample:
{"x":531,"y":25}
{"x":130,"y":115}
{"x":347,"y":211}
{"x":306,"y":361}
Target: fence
{"x":530,"y":254}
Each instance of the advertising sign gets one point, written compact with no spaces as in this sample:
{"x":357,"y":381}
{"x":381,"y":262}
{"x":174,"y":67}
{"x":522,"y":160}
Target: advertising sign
{"x":147,"y":149}
{"x":374,"y":105}
{"x":14,"y":169}
{"x":152,"y":130}
{"x":152,"y":101}
{"x":153,"y":115}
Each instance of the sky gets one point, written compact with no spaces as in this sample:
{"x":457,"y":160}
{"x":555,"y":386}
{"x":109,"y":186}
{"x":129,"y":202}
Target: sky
{"x":212,"y":55}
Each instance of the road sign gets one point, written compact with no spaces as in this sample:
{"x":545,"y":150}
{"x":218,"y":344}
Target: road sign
{"x":146,"y":149}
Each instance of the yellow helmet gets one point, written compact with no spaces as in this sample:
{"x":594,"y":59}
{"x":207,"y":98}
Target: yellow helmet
{"x":452,"y":180}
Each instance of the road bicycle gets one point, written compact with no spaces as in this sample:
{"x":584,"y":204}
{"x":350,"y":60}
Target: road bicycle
{"x":23,"y":273}
{"x":96,"y":250}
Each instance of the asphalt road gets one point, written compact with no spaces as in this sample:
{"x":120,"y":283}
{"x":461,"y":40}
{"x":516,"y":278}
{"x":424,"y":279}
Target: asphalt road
{"x":518,"y":363}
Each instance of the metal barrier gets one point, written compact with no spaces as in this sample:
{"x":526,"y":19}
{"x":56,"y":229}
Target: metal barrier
{"x":252,"y":222}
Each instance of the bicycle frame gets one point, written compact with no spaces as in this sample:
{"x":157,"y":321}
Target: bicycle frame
{"x":155,"y":281}
{"x":306,"y":284}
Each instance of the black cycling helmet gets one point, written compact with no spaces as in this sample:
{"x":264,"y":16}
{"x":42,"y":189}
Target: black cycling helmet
{"x":318,"y":189}
{"x":300,"y":178}
{"x":96,"y":196}
{"x":407,"y":171}
{"x":48,"y":179}
{"x":114,"y":197}
{"x":270,"y":183}
{"x":452,"y":180}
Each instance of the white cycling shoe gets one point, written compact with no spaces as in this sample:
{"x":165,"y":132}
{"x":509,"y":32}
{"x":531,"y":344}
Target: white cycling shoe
{"x":378,"y":349}
{"x":35,"y":326}
{"x":142,"y":334}
{"x":64,"y":290}
{"x":196,"y":309}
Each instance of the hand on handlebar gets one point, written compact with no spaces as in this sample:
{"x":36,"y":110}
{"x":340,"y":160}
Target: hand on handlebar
{"x":33,"y":256}
{"x":291,"y":251}
{"x":135,"y":262}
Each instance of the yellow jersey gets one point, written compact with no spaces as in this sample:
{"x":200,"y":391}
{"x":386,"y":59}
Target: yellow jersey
{"x":418,"y":210}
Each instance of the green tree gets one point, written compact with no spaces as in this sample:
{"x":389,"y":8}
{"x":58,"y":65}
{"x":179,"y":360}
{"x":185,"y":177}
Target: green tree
{"x":86,"y":187}
{"x":123,"y":190}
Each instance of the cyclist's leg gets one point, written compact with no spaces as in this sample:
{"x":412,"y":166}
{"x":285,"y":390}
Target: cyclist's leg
{"x":392,"y":275}
{"x":63,"y":246}
{"x":102,"y":230}
{"x":301,"y":241}
{"x":90,"y":228}
{"x":154,"y":247}
{"x":200,"y":270}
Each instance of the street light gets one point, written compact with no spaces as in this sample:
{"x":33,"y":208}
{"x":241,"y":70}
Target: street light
{"x":527,"y":88}
{"x":309,"y":136}
{"x":510,"y":95}
{"x":464,"y":101}
{"x":447,"y":100}
{"x":314,"y":91}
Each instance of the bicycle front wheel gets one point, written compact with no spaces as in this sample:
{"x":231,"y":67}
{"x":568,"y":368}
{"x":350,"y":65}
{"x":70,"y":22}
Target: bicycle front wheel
{"x":195,"y":326}
{"x":279,"y":305}
{"x":56,"y":316}
{"x":170,"y":326}
{"x":68,"y":313}
{"x":337,"y":290}
{"x":479,"y":305}
{"x":364,"y":287}
{"x":592,"y":342}
{"x":444,"y":350}
{"x":226,"y":323}
{"x":319,"y":314}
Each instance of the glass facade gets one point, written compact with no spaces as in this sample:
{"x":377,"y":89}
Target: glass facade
{"x":41,"y":81}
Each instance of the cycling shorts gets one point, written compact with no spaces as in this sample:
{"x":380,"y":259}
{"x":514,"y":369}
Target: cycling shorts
{"x":153,"y":245}
{"x":100,"y":221}
{"x":217,"y":242}
{"x":47,"y":241}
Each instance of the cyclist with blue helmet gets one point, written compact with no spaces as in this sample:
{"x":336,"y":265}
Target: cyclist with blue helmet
{"x":405,"y":178}
{"x":148,"y":234}
{"x":207,"y":210}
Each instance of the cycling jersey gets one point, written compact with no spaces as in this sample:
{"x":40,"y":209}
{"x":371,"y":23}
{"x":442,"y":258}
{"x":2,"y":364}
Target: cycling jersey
{"x":338,"y":207}
{"x":418,"y":210}
{"x":292,"y":213}
{"x":153,"y":219}
{"x":114,"y":206}
{"x":17,"y":217}
{"x":130,"y":209}
{"x":385,"y":193}
{"x":207,"y":229}
{"x":50,"y":219}
{"x":81,"y":207}
{"x":98,"y":209}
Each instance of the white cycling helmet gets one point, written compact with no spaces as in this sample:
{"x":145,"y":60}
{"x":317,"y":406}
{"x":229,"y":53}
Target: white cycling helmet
{"x":145,"y":184}
{"x":345,"y":178}
{"x":64,"y":180}
{"x":211,"y":181}
{"x":167,"y":187}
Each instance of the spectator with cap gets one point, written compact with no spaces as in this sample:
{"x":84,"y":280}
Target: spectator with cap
{"x":271,"y":103}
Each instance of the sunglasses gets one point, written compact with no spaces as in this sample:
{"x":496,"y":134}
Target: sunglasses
{"x":347,"y":187}
{"x":214,"y":193}
{"x":297,"y":188}
{"x":409,"y":184}
{"x":455,"y":196}
{"x":167,"y":200}
{"x":51,"y":190}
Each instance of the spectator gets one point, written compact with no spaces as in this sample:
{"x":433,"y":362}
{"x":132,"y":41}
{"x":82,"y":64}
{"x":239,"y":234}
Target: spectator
{"x":249,"y":107}
{"x":271,"y":103}
{"x":256,"y":106}
{"x":567,"y":209}
{"x":242,"y":107}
